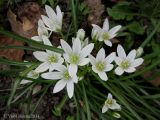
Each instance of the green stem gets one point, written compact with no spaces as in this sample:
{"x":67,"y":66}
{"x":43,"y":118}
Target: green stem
{"x":74,"y":15}
{"x":150,"y":36}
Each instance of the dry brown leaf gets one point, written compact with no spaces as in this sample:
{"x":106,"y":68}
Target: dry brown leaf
{"x":24,"y":23}
{"x":97,"y":9}
{"x":11,"y":54}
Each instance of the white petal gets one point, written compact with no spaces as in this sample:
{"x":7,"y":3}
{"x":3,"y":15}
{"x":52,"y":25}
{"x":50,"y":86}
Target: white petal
{"x":94,"y":69}
{"x":92,"y":59}
{"x":106,"y":24}
{"x":72,"y":70}
{"x":76,"y":46}
{"x":59,"y":86}
{"x":41,"y":56}
{"x":104,"y":109}
{"x":115,"y":29}
{"x":118,"y":60}
{"x":42,"y":67}
{"x":109,"y":96}
{"x":75,"y":79}
{"x":87,"y":50}
{"x":66,"y":57}
{"x":100,"y":55}
{"x":36,"y":38}
{"x":48,"y":22}
{"x":50,"y":12}
{"x":130,"y":70}
{"x":137,"y":62}
{"x":59,"y":14}
{"x":84,"y":61}
{"x":115,"y":107}
{"x":119,"y":71}
{"x":70,"y":88}
{"x":66,"y":47}
{"x":25,"y":81}
{"x":132,"y":55}
{"x":109,"y":67}
{"x":46,"y":41}
{"x":121,"y":52}
{"x":60,"y":68}
{"x":110,"y":58}
{"x":103,"y":76}
{"x":52,"y":75}
{"x":108,"y":43}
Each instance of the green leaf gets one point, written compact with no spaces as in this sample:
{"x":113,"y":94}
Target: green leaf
{"x":121,"y":11}
{"x":136,"y":27}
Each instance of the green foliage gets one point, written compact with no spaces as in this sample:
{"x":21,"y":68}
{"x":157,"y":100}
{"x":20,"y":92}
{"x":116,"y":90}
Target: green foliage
{"x":121,"y":11}
{"x":83,"y":8}
{"x":136,"y":28}
{"x":51,"y":2}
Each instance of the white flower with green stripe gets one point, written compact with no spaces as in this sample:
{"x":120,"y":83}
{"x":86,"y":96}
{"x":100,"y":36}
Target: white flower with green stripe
{"x":49,"y":58}
{"x":65,"y":78}
{"x":126,"y":63}
{"x":77,"y":55}
{"x":104,"y":34}
{"x":102,"y":64}
{"x":110,"y":103}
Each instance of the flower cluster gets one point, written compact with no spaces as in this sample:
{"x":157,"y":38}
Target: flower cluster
{"x":65,"y":67}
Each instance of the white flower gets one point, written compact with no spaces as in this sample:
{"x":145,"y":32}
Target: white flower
{"x":126,"y":63}
{"x":76,"y":55}
{"x":49,"y":58}
{"x":42,"y":31}
{"x":32,"y":74}
{"x":53,"y":20}
{"x":110,"y":103}
{"x":81,"y":34}
{"x":65,"y":79}
{"x":104,"y":34}
{"x":101,"y":65}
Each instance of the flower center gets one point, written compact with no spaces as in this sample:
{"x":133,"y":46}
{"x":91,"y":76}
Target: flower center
{"x":125,"y":64}
{"x":66,"y":75}
{"x":100,"y":66}
{"x":35,"y":75}
{"x":74,"y":59}
{"x":53,"y":59}
{"x":106,"y":36}
{"x":109,"y":102}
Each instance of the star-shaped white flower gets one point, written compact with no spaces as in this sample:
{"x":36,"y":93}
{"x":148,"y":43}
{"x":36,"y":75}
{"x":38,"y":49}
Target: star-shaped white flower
{"x":126,"y":63}
{"x":102,"y":64}
{"x":32,"y":74}
{"x":65,"y":79}
{"x":104,"y":34}
{"x":53,"y":20}
{"x":110,"y":103}
{"x":76,"y":55}
{"x":42,"y":31}
{"x":49,"y":58}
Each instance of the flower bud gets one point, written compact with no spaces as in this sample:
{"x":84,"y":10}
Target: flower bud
{"x":139,"y":52}
{"x":81,"y":34}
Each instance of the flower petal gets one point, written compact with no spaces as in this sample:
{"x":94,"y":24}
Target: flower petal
{"x":59,"y":86}
{"x":104,"y":109}
{"x":72,"y":69}
{"x":50,"y":12}
{"x":60,"y":68}
{"x":130,"y":70}
{"x":109,"y":96}
{"x":114,"y":29}
{"x":48,"y":22}
{"x":100,"y":55}
{"x":115,"y":107}
{"x":41,"y":56}
{"x":118,"y":60}
{"x":76,"y":46}
{"x":121,"y":52}
{"x":70,"y":88}
{"x":52,"y":75}
{"x":119,"y":71}
{"x":110,"y":57}
{"x":109,"y":67}
{"x":66,"y":47}
{"x":36,"y":38}
{"x":84,"y":61}
{"x":59,"y":13}
{"x":87,"y":50}
{"x":42,"y":67}
{"x":106,"y":25}
{"x":137,"y":62}
{"x":94,"y":69}
{"x":75,"y":79}
{"x":92,"y":59}
{"x":131,"y":55}
{"x":25,"y":81}
{"x":108,"y":43}
{"x":103,"y":76}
